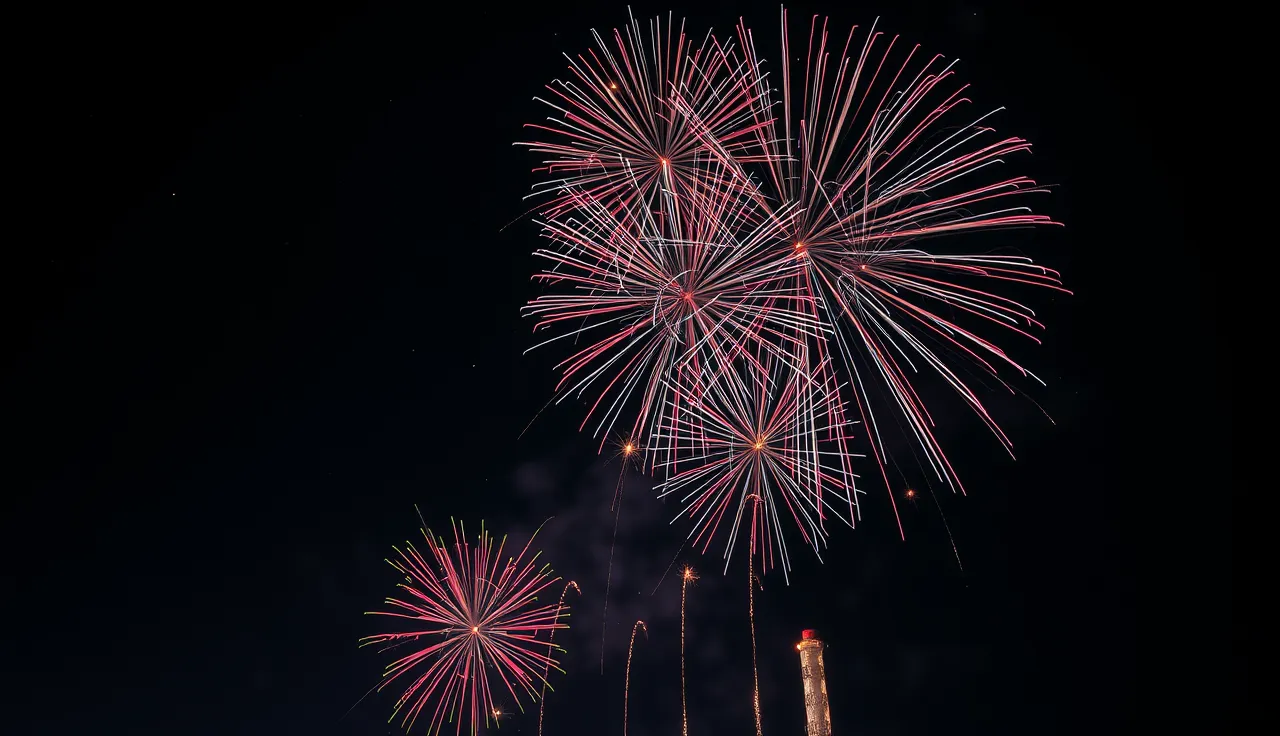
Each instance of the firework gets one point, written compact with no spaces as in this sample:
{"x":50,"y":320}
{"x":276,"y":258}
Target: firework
{"x":629,"y":450}
{"x":615,"y":133}
{"x":879,"y":156}
{"x":776,"y":438}
{"x":751,"y":616}
{"x":687,"y":577}
{"x":663,"y":298}
{"x":470,"y":617}
{"x":626,"y":692}
{"x":731,"y":253}
{"x":546,"y":670}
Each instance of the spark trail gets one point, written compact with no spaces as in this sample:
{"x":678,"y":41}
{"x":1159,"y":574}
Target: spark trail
{"x":755,"y":670}
{"x":629,"y":451}
{"x":614,"y":131}
{"x":626,"y":692}
{"x":542,"y":704}
{"x":688,"y":577}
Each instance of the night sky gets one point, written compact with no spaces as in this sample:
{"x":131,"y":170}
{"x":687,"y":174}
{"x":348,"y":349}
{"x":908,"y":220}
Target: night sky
{"x":270,"y":306}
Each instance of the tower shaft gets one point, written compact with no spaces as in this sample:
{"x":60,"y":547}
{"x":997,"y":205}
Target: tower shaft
{"x":817,"y":712}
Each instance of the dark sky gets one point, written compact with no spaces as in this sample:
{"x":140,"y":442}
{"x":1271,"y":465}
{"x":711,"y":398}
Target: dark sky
{"x":268,"y":308}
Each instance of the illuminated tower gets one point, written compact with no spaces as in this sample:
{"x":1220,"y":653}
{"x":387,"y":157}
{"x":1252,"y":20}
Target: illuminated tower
{"x":816,"y":710}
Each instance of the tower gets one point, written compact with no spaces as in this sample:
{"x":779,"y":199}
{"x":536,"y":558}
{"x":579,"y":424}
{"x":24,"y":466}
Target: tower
{"x":816,"y":711}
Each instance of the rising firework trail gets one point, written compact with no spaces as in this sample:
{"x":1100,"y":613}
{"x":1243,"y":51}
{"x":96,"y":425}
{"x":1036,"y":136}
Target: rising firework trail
{"x":687,"y":577}
{"x":629,"y":451}
{"x":626,"y":692}
{"x":542,"y":700}
{"x":470,"y":617}
{"x":751,"y":615}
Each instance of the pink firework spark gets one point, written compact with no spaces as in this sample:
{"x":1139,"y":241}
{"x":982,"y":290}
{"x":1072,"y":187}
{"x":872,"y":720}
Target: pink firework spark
{"x":471,"y":617}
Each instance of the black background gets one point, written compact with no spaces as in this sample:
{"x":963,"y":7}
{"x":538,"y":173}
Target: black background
{"x":267,"y":306}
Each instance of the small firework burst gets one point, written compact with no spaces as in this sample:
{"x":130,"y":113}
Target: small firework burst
{"x":764,"y":450}
{"x":474,"y":624}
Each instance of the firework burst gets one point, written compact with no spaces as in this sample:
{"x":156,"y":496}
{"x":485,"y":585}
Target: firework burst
{"x":878,"y":156}
{"x":662,"y":298}
{"x":474,"y":624}
{"x":615,"y":133}
{"x":730,"y":253}
{"x":771,"y":436}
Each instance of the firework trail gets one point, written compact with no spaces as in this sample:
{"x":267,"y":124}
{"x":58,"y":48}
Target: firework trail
{"x":669,"y":566}
{"x":542,"y":700}
{"x":688,"y":577}
{"x":947,"y":526}
{"x":679,"y":292}
{"x":471,"y":616}
{"x":911,"y":496}
{"x":877,"y":157}
{"x":629,"y":451}
{"x":614,"y":132}
{"x":775,"y":438}
{"x":751,"y":614}
{"x":626,"y":692}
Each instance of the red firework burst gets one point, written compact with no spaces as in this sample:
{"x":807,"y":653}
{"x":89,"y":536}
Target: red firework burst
{"x":759,"y":450}
{"x":472,"y":616}
{"x":789,"y":249}
{"x":880,"y":156}
{"x":663,"y":299}
{"x":616,"y":135}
